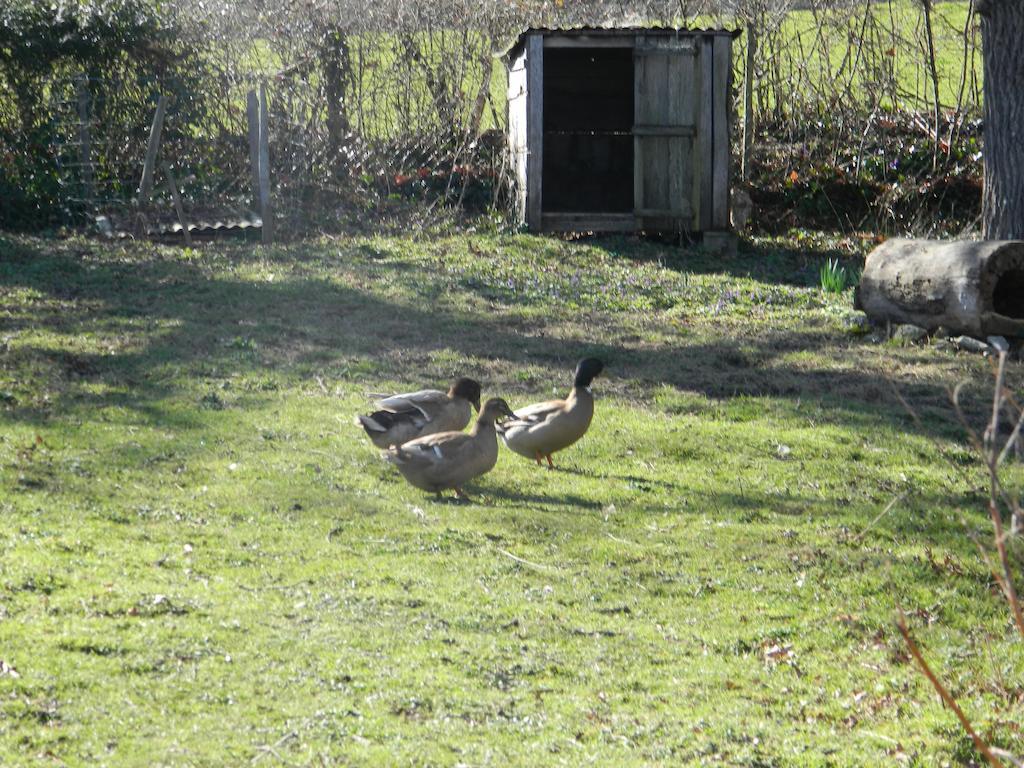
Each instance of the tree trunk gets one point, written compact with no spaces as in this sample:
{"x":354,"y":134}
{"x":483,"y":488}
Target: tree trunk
{"x":1002,"y":35}
{"x":486,"y":60}
{"x":435,"y":80}
{"x":336,"y":65}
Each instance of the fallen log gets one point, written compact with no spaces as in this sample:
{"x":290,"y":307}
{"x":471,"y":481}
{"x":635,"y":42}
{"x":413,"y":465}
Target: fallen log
{"x":973,"y":288}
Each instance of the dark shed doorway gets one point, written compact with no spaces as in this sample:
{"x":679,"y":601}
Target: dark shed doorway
{"x":621,"y":130}
{"x":588,"y":124}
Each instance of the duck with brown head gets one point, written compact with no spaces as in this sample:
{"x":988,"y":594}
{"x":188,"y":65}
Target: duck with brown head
{"x":405,"y":417}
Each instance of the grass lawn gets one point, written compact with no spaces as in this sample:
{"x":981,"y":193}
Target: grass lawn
{"x":202,"y":562}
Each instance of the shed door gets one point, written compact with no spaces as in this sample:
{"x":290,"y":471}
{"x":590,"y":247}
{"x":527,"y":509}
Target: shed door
{"x":664,"y":129}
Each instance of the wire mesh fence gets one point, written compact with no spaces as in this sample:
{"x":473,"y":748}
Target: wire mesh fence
{"x":392,"y":132}
{"x":100,"y":132}
{"x":379,"y":112}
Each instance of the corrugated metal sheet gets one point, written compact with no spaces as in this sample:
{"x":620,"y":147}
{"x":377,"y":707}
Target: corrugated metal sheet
{"x":206,"y":230}
{"x":200,"y":227}
{"x":170,"y":231}
{"x":608,"y":31}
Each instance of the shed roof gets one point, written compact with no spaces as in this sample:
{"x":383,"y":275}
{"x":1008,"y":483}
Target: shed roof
{"x":613,"y":31}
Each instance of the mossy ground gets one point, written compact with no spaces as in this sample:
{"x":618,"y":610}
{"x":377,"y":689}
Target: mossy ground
{"x":202,"y":562}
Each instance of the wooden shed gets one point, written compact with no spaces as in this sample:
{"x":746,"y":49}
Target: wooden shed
{"x":619,"y":130}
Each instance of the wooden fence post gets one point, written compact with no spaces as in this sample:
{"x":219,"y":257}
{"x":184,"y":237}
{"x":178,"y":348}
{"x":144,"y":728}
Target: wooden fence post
{"x":149,"y":164}
{"x":252,"y":112}
{"x":266,"y":210}
{"x":179,"y":209}
{"x":85,"y":137}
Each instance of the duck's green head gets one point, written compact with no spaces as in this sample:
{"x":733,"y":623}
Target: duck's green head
{"x":586,"y":370}
{"x":467,"y":389}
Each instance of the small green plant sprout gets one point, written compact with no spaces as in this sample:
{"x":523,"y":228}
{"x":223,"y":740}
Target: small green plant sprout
{"x":834,"y":278}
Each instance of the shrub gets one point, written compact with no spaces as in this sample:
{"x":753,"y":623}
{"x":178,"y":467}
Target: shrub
{"x":45,"y":44}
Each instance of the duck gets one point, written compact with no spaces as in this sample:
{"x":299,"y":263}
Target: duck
{"x":541,"y":429}
{"x":448,"y":460}
{"x":405,"y":417}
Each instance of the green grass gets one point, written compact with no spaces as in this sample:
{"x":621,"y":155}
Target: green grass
{"x":830,"y":56}
{"x":202,"y":562}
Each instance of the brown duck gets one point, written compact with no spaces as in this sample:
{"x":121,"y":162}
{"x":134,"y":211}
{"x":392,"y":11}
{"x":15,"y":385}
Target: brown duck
{"x":450,"y":459}
{"x":539,"y":430}
{"x":405,"y":417}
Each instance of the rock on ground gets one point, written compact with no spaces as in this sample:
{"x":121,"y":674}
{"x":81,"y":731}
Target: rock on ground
{"x":909,"y":333}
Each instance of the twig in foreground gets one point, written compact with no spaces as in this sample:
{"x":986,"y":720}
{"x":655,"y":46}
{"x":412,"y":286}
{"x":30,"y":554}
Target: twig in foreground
{"x":1009,"y":757}
{"x":526,"y":562}
{"x":895,"y":500}
{"x":946,"y":696}
{"x":991,"y":454}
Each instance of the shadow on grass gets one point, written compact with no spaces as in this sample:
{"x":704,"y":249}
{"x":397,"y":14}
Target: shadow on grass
{"x":763,"y":261}
{"x":643,"y":483}
{"x":542,"y":498}
{"x":176,"y":321}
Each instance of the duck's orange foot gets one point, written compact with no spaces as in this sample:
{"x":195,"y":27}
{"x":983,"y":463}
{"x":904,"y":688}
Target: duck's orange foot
{"x":537,"y":455}
{"x":550,"y":463}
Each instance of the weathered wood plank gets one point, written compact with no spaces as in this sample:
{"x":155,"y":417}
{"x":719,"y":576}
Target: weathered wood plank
{"x":652,"y":109}
{"x":705,"y":131}
{"x":673,"y":146}
{"x":680,"y":210}
{"x":665,"y":130}
{"x":721,"y":84}
{"x":172,"y":185}
{"x":648,"y":114}
{"x":639,"y":118}
{"x":516,"y":121}
{"x":658,"y":173}
{"x":534,"y":129}
{"x":266,"y":207}
{"x":589,"y":41}
{"x":684,"y":48}
{"x":688,"y":114}
{"x":588,"y":222}
{"x":664,"y":68}
{"x":152,"y":148}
